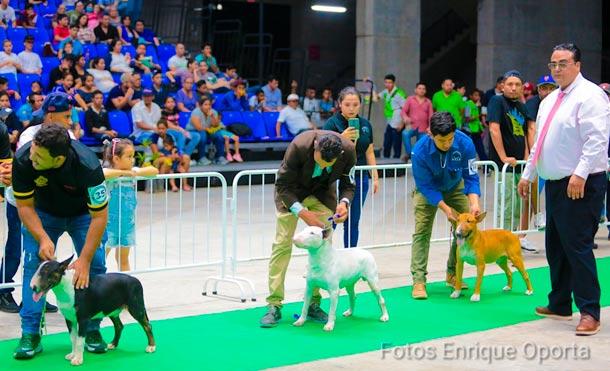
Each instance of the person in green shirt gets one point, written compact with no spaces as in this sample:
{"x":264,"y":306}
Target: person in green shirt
{"x":472,"y":121}
{"x":448,"y":100}
{"x":393,"y":98}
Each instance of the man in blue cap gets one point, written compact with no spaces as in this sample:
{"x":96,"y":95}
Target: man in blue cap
{"x":59,"y":187}
{"x":545,"y":86}
{"x":56,"y":109}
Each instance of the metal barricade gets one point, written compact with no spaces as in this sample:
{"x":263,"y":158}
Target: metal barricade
{"x":516,"y":214}
{"x":174,"y":230}
{"x":386,"y":217}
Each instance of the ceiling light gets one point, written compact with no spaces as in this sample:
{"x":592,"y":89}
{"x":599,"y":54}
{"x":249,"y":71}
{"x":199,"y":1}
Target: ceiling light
{"x":328,"y":8}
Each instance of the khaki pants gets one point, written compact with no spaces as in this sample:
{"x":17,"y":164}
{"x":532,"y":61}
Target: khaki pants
{"x":424,"y":220}
{"x":282,"y":249}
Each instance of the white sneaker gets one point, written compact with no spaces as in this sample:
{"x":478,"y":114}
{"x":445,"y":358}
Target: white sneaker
{"x":527,"y":246}
{"x":204,"y":161}
{"x":540,"y":221}
{"x":193,"y":163}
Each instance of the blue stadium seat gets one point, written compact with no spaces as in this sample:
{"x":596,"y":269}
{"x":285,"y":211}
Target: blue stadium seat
{"x":18,"y":47}
{"x":12,"y":80}
{"x":254,"y":120}
{"x":102,"y":49}
{"x":38,"y":48}
{"x":40,"y":36}
{"x":45,"y":78}
{"x":152,"y":52}
{"x":184,"y":119}
{"x":2,"y":34}
{"x":165,"y":52}
{"x":16,"y":34}
{"x":230,"y":117}
{"x":24,"y":81}
{"x":48,"y":63}
{"x":91,"y":49}
{"x":116,"y":76}
{"x":128,"y":49}
{"x":270,"y":119}
{"x":147,"y":81}
{"x":119,"y":121}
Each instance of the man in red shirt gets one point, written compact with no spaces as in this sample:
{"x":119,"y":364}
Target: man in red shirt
{"x":415,"y":113}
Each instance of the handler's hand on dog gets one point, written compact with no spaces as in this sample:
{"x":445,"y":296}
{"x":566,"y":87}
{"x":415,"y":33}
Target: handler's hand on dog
{"x":523,"y":188}
{"x":46,"y":251}
{"x":311,"y":218}
{"x":340,"y":213}
{"x":576,"y":187}
{"x":81,"y":273}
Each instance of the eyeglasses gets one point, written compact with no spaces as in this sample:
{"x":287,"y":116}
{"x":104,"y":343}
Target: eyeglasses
{"x":562,"y":65}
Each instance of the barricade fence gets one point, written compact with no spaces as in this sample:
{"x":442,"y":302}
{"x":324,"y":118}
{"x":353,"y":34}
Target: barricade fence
{"x":187,"y":229}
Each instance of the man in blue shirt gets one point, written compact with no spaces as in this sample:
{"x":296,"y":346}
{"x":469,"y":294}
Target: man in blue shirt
{"x":273,"y":94}
{"x":235,"y":100}
{"x":445,"y":177}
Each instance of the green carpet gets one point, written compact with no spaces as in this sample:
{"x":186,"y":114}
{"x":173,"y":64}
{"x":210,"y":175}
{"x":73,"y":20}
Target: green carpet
{"x":233,"y":340}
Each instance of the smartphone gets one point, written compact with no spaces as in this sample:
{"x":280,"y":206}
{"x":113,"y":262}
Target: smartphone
{"x":355,"y":123}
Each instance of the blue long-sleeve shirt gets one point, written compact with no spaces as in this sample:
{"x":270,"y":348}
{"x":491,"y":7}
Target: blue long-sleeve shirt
{"x":230,"y":102}
{"x":436,"y":172}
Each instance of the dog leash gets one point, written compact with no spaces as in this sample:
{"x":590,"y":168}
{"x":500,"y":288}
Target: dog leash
{"x":42,"y":330}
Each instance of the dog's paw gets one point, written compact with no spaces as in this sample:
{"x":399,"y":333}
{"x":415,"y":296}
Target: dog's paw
{"x":329,"y":326}
{"x":151,"y":348}
{"x":475,"y":297}
{"x":69,"y":356}
{"x":77,"y":360}
{"x":347,"y":313}
{"x":529,"y":292}
{"x":507,"y":288}
{"x":384,"y":318}
{"x":111,"y":346}
{"x":455,"y":294}
{"x":299,"y":322}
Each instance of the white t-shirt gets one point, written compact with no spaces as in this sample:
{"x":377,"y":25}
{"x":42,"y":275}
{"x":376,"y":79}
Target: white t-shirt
{"x":295,"y":119}
{"x":139,"y":113}
{"x":5,"y":57}
{"x":30,"y":62}
{"x":119,"y":62}
{"x":7,"y":15}
{"x":312,"y":108}
{"x":29,"y":134}
{"x":179,"y":63}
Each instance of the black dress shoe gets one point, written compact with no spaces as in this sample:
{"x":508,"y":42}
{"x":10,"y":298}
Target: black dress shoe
{"x":8,"y":304}
{"x":315,"y":313}
{"x":272,"y":317}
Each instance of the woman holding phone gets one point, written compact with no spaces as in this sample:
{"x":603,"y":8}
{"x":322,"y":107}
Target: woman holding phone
{"x":353,"y":127}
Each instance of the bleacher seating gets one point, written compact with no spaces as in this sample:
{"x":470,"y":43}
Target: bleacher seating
{"x":261,"y":124}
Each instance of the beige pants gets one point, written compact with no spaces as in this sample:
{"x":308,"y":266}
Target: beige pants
{"x":282,"y":249}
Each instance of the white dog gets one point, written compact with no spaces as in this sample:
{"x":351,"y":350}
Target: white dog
{"x":331,"y":269}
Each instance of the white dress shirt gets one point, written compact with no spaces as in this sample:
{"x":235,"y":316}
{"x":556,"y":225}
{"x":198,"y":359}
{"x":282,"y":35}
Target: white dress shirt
{"x":577,"y":138}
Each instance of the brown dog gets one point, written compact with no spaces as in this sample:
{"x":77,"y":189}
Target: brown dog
{"x":483,"y":247}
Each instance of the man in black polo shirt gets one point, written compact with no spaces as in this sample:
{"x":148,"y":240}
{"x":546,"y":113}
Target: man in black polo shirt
{"x":512,"y":135}
{"x":59,"y":187}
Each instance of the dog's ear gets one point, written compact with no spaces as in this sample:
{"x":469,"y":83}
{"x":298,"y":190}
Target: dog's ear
{"x":326,"y":232}
{"x":64,"y":264}
{"x":481,"y":216}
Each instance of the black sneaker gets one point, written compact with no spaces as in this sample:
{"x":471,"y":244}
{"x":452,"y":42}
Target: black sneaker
{"x":94,"y":343}
{"x":8,"y":304}
{"x":50,"y":308}
{"x":29,"y":346}
{"x":272,"y":317}
{"x":315,"y":313}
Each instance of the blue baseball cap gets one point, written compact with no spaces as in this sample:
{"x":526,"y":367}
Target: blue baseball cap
{"x":55,"y":102}
{"x":546,"y":80}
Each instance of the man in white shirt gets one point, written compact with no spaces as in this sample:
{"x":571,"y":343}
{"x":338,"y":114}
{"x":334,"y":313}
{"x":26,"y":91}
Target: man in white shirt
{"x":7,"y":15}
{"x":294,"y":117}
{"x":177,"y":64}
{"x":9,"y":62}
{"x":30,"y":61}
{"x":145,"y":116}
{"x":570,"y":152}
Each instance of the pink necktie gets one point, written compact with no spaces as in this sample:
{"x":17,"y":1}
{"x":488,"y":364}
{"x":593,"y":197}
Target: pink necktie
{"x":545,"y":127}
